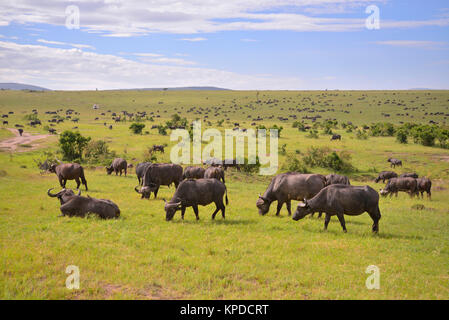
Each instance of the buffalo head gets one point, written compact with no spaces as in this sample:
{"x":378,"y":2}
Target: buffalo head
{"x":263,"y":204}
{"x":302,"y":210}
{"x":170,"y":209}
{"x":109,"y":169}
{"x":64,"y":195}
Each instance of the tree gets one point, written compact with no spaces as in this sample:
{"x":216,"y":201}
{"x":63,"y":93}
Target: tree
{"x":72,"y":145}
{"x":137,"y":128}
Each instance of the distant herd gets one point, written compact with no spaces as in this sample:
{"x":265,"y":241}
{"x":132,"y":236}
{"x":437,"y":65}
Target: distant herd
{"x":332,"y":194}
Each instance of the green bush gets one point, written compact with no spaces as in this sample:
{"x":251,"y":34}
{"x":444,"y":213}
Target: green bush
{"x":250,"y":168}
{"x":312,"y":134}
{"x":137,"y":128}
{"x":325,"y":158}
{"x":293,"y":164}
{"x":97,"y":152}
{"x":361,"y":135}
{"x":402,"y":135}
{"x":72,"y":145}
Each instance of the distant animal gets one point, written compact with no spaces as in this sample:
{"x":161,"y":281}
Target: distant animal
{"x":286,"y":187}
{"x":52,"y":131}
{"x":213,"y":162}
{"x":118,"y":165}
{"x":140,"y":170}
{"x":76,"y":205}
{"x":386,"y":175}
{"x":69,"y":171}
{"x":394,"y":162}
{"x":160,"y":174}
{"x":110,"y":127}
{"x":20,"y":131}
{"x":215,"y":172}
{"x":424,"y":185}
{"x":191,"y":193}
{"x":336,"y":179}
{"x":5,"y":122}
{"x":336,"y":137}
{"x":230,"y":163}
{"x":158,"y":148}
{"x":338,"y":199}
{"x":409,"y":175}
{"x":394,"y":185}
{"x":193,"y":172}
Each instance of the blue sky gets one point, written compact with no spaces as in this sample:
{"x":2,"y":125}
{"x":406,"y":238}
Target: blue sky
{"x":272,"y":44}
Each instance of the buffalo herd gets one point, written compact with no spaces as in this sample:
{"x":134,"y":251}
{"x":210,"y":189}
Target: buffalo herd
{"x":332,"y":194}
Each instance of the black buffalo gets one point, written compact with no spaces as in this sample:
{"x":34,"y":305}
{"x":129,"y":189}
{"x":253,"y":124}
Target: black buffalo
{"x":193,"y":173}
{"x":409,"y":175}
{"x":336,"y":179}
{"x":161,"y":174}
{"x":424,"y":185}
{"x":76,"y":205}
{"x":394,"y":162}
{"x":286,"y":187}
{"x":394,"y":185}
{"x":118,"y":165}
{"x":69,"y":171}
{"x":215,"y":172}
{"x":339,"y":199}
{"x":386,"y":175}
{"x":140,"y":170}
{"x":336,"y":137}
{"x":192,"y":193}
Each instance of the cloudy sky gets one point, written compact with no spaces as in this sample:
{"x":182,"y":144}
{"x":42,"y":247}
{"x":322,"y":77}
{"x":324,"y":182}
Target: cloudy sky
{"x":251,"y":44}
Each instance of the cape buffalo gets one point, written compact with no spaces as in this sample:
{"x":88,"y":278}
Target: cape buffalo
{"x":339,"y":199}
{"x":161,"y":174}
{"x":424,"y":185}
{"x":394,"y":162}
{"x":290,"y":186}
{"x":193,"y":173}
{"x":192,"y":193}
{"x":20,"y":132}
{"x":158,"y":148}
{"x":69,"y":171}
{"x":395,"y":185}
{"x":230,"y":163}
{"x":118,"y":165}
{"x":140,"y":170}
{"x":336,"y":137}
{"x":215,"y":172}
{"x":336,"y":179}
{"x":386,"y":175}
{"x":409,"y":175}
{"x":76,"y":205}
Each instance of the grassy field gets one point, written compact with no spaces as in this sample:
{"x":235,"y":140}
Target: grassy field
{"x":245,"y":256}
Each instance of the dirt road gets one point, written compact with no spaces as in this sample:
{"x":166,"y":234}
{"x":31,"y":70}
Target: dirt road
{"x":12,"y":144}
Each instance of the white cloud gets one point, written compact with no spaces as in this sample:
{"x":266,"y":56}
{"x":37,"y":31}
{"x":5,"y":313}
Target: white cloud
{"x":89,"y":70}
{"x":249,"y":40}
{"x":412,"y":43}
{"x":126,"y":18}
{"x":194,"y":39}
{"x":59,"y":43}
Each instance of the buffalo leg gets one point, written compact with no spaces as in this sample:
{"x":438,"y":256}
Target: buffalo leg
{"x":376,"y":217}
{"x":326,"y":220}
{"x":341,"y":218}
{"x":155,"y":192}
{"x":78,"y":183}
{"x":215,"y":212}
{"x":61,"y":182}
{"x":289,"y":208}
{"x":320,"y":214}
{"x":195,"y":209}
{"x":183,"y":211}
{"x":280,"y":203}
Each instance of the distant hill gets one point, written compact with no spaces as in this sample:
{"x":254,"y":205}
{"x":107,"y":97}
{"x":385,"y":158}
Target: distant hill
{"x":21,"y":86}
{"x":179,"y":89}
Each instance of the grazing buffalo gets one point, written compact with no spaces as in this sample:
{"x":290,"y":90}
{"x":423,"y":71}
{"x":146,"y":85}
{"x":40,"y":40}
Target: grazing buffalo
{"x":160,"y":174}
{"x":395,"y":185}
{"x":338,"y":199}
{"x":192,"y":193}
{"x":386,"y":175}
{"x":20,"y":131}
{"x":5,"y":122}
{"x":336,"y":179}
{"x":286,"y":187}
{"x":158,"y":148}
{"x":424,"y":185}
{"x":336,"y":137}
{"x":76,"y":205}
{"x":394,"y":162}
{"x":118,"y":165}
{"x":140,"y":170}
{"x":409,"y":175}
{"x":230,"y":163}
{"x":215,"y":172}
{"x":69,"y":171}
{"x":193,"y":173}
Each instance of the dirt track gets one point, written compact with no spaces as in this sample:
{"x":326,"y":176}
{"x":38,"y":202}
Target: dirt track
{"x":12,"y":144}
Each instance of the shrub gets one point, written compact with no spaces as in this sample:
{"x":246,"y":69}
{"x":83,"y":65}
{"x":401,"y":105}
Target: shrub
{"x":361,"y":135}
{"x":72,"y":145}
{"x":97,"y":152}
{"x":293,"y":164}
{"x":312,"y":134}
{"x":402,"y":135}
{"x":250,"y":168}
{"x":162,"y":130}
{"x":325,"y":158}
{"x":31,"y":117}
{"x":282,"y":149}
{"x":137,"y":128}
{"x":148,"y":156}
{"x":380,"y":129}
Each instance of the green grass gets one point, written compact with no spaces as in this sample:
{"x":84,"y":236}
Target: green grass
{"x":246,"y":256}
